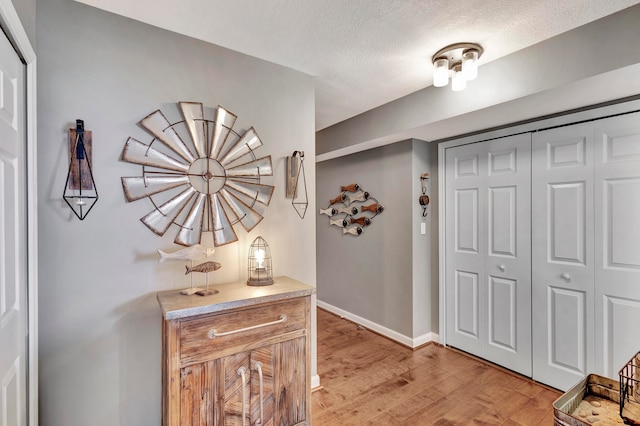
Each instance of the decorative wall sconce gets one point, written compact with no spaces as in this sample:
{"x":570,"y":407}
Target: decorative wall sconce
{"x":459,"y":60}
{"x":80,"y":191}
{"x":259,"y":263}
{"x":296,"y":188}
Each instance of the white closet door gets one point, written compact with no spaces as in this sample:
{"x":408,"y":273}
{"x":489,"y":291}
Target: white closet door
{"x":488,"y":259}
{"x":617,"y":229}
{"x":562,"y":254}
{"x":13,"y":237}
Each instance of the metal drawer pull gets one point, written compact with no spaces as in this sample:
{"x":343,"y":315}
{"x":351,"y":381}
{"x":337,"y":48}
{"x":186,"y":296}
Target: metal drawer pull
{"x":241,"y":372}
{"x":213,"y":333}
{"x":258,"y":367}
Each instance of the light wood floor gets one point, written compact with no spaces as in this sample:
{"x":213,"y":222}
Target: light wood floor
{"x":368,"y":379}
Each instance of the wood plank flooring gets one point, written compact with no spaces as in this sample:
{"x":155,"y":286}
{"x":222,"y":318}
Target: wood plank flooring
{"x":367,"y":379}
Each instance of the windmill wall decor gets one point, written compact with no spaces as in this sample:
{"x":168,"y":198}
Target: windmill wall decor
{"x":199,"y":175}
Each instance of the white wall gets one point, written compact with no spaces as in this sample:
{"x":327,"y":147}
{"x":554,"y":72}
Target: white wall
{"x":99,"y":320}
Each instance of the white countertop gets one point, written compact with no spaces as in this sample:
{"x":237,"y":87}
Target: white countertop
{"x":230,"y":295}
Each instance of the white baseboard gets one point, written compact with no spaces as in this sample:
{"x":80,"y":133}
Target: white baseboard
{"x":315,"y":381}
{"x":391,"y":334}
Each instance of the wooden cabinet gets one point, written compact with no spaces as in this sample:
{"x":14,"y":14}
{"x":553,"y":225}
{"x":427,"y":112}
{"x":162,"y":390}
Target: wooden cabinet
{"x":240,"y":357}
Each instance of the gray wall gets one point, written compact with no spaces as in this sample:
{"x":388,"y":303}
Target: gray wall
{"x":99,"y":320}
{"x":425,"y":246}
{"x":26,"y":10}
{"x":383,"y":275}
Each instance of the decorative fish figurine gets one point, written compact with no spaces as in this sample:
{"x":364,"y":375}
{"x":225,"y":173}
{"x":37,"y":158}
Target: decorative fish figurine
{"x":338,"y":199}
{"x":354,"y":230}
{"x":339,"y":222}
{"x":357,"y":196}
{"x":351,"y":188}
{"x":194,"y":252}
{"x":362,"y":221}
{"x":329,"y":211}
{"x":375,"y":208}
{"x":203,"y":267}
{"x":348,"y":210}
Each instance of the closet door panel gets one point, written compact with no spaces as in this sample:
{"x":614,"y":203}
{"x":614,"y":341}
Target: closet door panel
{"x":488,"y":273}
{"x":466,"y":172}
{"x":562,"y":254}
{"x":508,"y":252}
{"x":617,"y":228}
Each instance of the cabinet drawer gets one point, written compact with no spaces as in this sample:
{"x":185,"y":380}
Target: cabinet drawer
{"x":216,"y":335}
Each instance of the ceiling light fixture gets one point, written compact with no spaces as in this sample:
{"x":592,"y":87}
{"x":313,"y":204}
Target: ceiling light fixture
{"x":460,"y":60}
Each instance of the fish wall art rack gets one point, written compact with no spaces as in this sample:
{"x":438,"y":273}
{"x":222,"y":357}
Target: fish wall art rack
{"x":352,"y":210}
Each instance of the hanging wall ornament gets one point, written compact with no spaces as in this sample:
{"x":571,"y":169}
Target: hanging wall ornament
{"x":80,"y":191}
{"x":199,"y":174}
{"x":297,"y":186}
{"x":352,"y":210}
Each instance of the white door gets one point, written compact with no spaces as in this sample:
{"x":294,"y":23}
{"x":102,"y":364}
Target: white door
{"x":562,"y":255}
{"x":13,"y":237}
{"x":488,"y":250}
{"x":617,"y":249}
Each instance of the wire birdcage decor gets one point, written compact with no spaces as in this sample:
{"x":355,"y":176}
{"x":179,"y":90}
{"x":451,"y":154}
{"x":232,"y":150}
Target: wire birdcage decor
{"x":259,"y":263}
{"x":630,"y":391}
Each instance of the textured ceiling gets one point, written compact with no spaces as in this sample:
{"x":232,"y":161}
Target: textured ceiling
{"x":364,"y":53}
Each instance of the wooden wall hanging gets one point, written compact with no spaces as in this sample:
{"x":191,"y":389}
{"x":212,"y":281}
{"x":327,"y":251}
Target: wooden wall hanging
{"x":352,"y":210}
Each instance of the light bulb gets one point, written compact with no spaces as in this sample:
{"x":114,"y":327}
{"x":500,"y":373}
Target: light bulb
{"x":440,"y":72}
{"x":470,"y":64}
{"x":458,"y":82}
{"x":260,"y":257}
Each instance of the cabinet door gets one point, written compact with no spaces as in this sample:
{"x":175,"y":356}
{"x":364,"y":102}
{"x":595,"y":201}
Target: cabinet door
{"x":562,"y":254}
{"x":284,"y":384}
{"x":290,"y":382}
{"x":617,"y":248}
{"x":488,"y":258}
{"x":274,"y":391}
{"x":198,"y":394}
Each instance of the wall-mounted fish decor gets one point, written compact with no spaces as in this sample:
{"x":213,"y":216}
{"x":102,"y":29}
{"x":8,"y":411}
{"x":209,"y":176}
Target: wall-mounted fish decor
{"x":194,"y":252}
{"x":339,"y":222}
{"x":330,"y":211}
{"x":351,"y":188}
{"x":356,"y":196}
{"x":375,"y":208}
{"x":362,"y":221}
{"x":354,"y":230}
{"x":339,"y":199}
{"x":348,"y":210}
{"x":352,"y":198}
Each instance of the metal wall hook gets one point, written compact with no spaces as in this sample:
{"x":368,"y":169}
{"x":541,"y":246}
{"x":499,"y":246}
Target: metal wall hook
{"x":424,"y":198}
